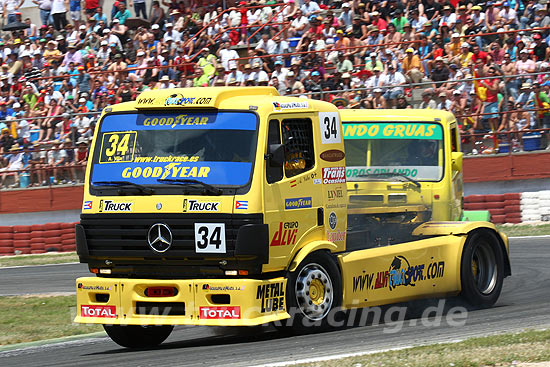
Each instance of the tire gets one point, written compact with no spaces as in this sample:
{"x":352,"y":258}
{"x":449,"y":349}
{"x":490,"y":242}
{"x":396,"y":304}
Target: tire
{"x":313,"y":291}
{"x":21,"y":229}
{"x":497,"y":219}
{"x":512,"y":196}
{"x":513,"y":215}
{"x":500,"y":211}
{"x":22,"y":236}
{"x":493,"y":197}
{"x":512,"y":209}
{"x":512,"y":202}
{"x":482,"y":255}
{"x":6,"y":236}
{"x":135,"y":336}
{"x":474,"y":199}
{"x":513,"y":220}
{"x":494,"y":205}
{"x":475,"y":206}
{"x":6,"y":229}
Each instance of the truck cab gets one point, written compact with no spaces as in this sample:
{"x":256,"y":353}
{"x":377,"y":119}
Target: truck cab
{"x":403,"y":167}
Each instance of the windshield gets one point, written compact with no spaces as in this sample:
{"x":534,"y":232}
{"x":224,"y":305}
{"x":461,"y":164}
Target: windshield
{"x":410,"y":149}
{"x":216,"y":148}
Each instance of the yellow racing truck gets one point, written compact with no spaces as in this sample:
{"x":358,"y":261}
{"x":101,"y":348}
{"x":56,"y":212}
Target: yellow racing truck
{"x":230,"y":207}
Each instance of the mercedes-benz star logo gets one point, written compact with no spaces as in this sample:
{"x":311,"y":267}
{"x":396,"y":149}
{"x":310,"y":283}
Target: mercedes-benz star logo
{"x":159,"y":237}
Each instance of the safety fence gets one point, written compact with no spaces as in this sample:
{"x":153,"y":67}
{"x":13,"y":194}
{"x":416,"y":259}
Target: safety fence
{"x":37,"y":238}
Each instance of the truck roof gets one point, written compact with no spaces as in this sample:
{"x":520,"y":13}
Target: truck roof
{"x":444,"y":117}
{"x":236,"y":98}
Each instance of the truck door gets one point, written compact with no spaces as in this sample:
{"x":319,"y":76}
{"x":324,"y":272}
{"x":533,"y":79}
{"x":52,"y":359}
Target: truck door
{"x":291,"y":201}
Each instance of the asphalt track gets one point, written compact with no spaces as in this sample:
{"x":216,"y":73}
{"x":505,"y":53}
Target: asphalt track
{"x":524,"y":304}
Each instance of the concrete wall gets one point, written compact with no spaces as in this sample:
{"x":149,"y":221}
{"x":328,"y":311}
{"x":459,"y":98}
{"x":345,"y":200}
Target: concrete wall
{"x":503,"y":187}
{"x":61,"y":216}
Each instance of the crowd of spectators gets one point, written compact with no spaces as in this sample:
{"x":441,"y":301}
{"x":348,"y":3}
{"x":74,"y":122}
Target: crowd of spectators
{"x":475,"y":59}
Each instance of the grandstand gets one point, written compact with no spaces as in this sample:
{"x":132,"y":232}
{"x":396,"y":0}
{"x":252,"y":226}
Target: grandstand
{"x":487,"y":62}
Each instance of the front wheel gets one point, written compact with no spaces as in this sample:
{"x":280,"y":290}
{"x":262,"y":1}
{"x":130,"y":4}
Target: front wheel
{"x":135,"y":336}
{"x":313,"y":291}
{"x":482,"y":269}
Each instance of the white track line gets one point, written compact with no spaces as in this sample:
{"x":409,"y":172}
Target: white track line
{"x":35,"y":266}
{"x":526,"y":237}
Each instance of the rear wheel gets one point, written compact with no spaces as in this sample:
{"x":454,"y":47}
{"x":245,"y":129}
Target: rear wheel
{"x":136,"y":336}
{"x":482,"y":269}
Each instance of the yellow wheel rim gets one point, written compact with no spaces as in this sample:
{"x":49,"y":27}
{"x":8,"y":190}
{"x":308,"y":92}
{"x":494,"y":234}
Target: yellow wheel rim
{"x":317,"y":291}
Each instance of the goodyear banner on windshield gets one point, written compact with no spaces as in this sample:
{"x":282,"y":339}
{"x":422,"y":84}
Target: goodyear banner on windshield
{"x":396,"y":130}
{"x":219,"y":173}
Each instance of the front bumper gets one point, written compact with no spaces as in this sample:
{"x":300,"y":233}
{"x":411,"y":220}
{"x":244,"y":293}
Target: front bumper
{"x":214,"y":302}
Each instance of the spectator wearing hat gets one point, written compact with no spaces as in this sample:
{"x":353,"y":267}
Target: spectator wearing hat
{"x":14,"y":165}
{"x":344,"y":64}
{"x":118,"y":68}
{"x":427,"y":101}
{"x":72,"y":56}
{"x":417,"y":21}
{"x":373,"y":62}
{"x":412,"y":66}
{"x":346,"y":16}
{"x":508,"y":16}
{"x":6,"y":139}
{"x":399,"y":21}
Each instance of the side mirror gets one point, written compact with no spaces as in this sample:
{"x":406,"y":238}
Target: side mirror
{"x":456,"y":158}
{"x":276,"y":153}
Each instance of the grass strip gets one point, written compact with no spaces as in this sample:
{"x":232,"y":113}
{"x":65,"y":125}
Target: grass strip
{"x":20,"y":260}
{"x":26,"y":319}
{"x":498,"y":350}
{"x":524,"y":229}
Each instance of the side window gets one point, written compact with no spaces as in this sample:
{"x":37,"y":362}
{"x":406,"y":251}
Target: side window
{"x":274,"y":174}
{"x":454,"y":140}
{"x":298,"y":142}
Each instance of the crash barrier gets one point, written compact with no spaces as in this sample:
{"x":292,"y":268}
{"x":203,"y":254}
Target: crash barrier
{"x":525,"y":207}
{"x":37,"y":238}
{"x":504,"y":208}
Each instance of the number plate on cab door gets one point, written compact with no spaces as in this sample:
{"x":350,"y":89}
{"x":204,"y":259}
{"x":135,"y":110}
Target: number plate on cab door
{"x":210,"y":238}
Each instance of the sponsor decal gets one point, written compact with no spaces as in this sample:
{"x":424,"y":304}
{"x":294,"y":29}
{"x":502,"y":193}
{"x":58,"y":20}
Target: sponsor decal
{"x":179,"y":120}
{"x":334,"y":175}
{"x":88,"y":205}
{"x":241,"y":204}
{"x":393,"y":131}
{"x":171,"y":170}
{"x":220,"y":312}
{"x":317,"y":181}
{"x":272,"y":297}
{"x":114,"y":206}
{"x":167,"y":159}
{"x":102,"y":311}
{"x":286,"y":235}
{"x":400,"y":274}
{"x":334,"y":194}
{"x":333,"y":155}
{"x":278,"y":106}
{"x":332,"y":220}
{"x":95,"y":287}
{"x":304,"y":178}
{"x":207,"y":287}
{"x":337,"y":206}
{"x":416,"y":172}
{"x":145,"y":100}
{"x":200,"y":206}
{"x":293,"y":183}
{"x":336,"y":236}
{"x":178,"y":99}
{"x":298,"y":203}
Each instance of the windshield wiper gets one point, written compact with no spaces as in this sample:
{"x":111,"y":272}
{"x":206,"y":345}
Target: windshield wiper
{"x":392,"y":174}
{"x":129,"y":185}
{"x":185,"y":182}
